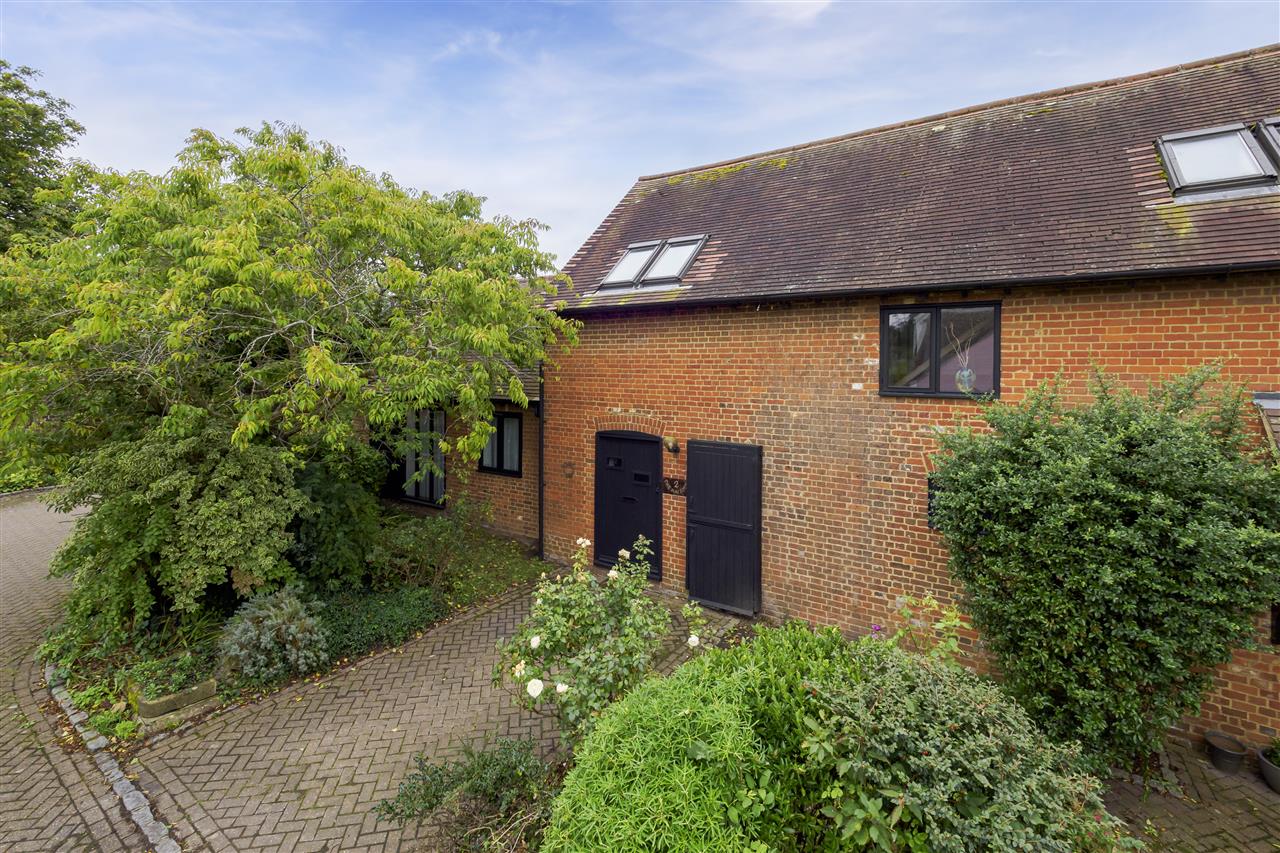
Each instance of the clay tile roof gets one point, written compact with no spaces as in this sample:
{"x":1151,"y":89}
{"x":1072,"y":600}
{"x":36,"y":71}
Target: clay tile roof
{"x":1051,"y":187}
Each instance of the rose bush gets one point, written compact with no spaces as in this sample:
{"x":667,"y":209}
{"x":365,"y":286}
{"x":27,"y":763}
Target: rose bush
{"x":586,"y":642}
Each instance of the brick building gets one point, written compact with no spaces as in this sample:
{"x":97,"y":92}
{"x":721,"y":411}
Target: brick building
{"x":770,"y":344}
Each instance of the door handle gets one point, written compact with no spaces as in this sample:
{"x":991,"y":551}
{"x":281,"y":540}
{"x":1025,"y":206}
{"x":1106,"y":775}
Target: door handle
{"x":628,"y":499}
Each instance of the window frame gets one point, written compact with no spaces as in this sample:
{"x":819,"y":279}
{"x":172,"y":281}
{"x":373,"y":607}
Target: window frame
{"x":639,"y":281}
{"x":1269,"y":133}
{"x":695,"y":240}
{"x":935,"y":309}
{"x":496,"y":438}
{"x":656,"y":245}
{"x":1178,"y":182}
{"x":429,"y":478}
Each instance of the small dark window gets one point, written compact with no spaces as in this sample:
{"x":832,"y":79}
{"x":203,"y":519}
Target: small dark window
{"x":940,"y":350}
{"x":424,"y":465}
{"x":1216,"y":158}
{"x":1275,"y":624}
{"x":502,"y":454}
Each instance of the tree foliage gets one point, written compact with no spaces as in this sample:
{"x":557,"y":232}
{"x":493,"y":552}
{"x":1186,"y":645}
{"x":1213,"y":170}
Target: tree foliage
{"x":34,"y":127}
{"x":275,"y":286}
{"x":268,"y":306}
{"x":1112,"y":553}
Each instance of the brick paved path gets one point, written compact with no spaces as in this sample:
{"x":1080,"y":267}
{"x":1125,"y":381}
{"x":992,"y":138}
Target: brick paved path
{"x":301,"y":769}
{"x":49,"y":800}
{"x":1216,"y":812}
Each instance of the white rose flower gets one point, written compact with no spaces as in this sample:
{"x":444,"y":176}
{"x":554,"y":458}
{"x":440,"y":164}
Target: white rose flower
{"x":583,"y":542}
{"x":535,"y":641}
{"x":613,"y":574}
{"x":518,"y":669}
{"x":693,"y":640}
{"x":624,"y":554}
{"x":561,"y":687}
{"x":534,"y":688}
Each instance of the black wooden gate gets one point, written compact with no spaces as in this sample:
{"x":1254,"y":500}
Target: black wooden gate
{"x":628,"y":495}
{"x":722,"y":558}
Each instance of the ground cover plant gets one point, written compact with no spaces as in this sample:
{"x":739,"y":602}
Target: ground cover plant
{"x":801,"y":740}
{"x":1112,"y":553}
{"x":493,"y":797}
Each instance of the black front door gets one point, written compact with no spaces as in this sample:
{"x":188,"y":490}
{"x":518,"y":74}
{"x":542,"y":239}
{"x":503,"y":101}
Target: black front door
{"x":628,"y":495}
{"x":722,"y":560}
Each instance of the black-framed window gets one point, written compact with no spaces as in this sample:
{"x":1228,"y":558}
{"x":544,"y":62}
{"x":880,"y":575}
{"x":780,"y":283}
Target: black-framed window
{"x":950,"y":350}
{"x":424,"y":465}
{"x":1225,"y":157}
{"x":502,"y":454}
{"x":1275,"y":624}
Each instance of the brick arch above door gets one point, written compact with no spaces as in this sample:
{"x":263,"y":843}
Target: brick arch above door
{"x":629,"y":422}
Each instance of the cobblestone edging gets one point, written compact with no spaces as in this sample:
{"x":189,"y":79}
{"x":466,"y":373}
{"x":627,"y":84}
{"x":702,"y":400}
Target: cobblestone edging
{"x":134,"y":801}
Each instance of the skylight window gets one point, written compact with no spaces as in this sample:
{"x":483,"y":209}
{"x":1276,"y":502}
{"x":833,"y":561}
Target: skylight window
{"x":1216,"y":158}
{"x":628,"y":269}
{"x":658,"y":262}
{"x":674,"y":259}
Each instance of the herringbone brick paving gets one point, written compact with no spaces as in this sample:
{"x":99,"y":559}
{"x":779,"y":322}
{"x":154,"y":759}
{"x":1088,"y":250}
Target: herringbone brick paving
{"x":1215,"y":812}
{"x":49,"y":799}
{"x":300,"y":770}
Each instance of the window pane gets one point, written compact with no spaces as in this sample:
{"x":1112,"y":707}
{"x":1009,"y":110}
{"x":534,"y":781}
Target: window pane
{"x":489,"y":456}
{"x":511,"y":444}
{"x":672,"y":261}
{"x":630,"y":265}
{"x":907,"y":349}
{"x":968,"y":350}
{"x":1214,"y":158}
{"x":411,"y":461}
{"x":435,"y":491}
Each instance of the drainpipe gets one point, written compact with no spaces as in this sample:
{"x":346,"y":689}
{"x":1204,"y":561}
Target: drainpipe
{"x":542,"y":426}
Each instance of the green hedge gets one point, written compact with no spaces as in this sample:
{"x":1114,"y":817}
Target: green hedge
{"x":800,"y":740}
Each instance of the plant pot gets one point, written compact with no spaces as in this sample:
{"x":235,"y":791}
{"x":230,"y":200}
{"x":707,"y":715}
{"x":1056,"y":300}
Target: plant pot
{"x":965,"y":379}
{"x":1270,"y":771}
{"x":1225,"y":752}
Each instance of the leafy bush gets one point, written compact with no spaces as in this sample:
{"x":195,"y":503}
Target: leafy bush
{"x":428,"y":550}
{"x":272,"y":636}
{"x":800,"y":740}
{"x":585,"y":643}
{"x":496,"y":793}
{"x":21,"y":475}
{"x":171,"y":520}
{"x":355,"y":623}
{"x":339,"y":526}
{"x":1112,"y":554}
{"x":920,"y":755}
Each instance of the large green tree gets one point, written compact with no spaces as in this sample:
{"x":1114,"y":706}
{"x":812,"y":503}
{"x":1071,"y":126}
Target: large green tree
{"x":265,"y":294}
{"x":34,"y":128}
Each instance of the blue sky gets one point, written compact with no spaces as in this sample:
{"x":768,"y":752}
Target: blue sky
{"x":552,"y":109}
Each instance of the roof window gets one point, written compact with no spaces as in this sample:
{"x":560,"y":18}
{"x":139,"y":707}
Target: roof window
{"x":629,"y":267}
{"x":655,"y":263}
{"x":1216,"y":158}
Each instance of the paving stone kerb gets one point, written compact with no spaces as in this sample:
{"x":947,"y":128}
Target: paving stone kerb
{"x":49,"y":799}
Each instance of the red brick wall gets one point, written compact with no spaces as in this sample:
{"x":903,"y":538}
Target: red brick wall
{"x":845,"y":534}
